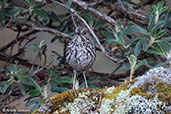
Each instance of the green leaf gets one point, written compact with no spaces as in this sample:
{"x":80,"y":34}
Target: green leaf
{"x":107,"y":34}
{"x":118,"y":27}
{"x":165,"y":45}
{"x":114,"y":41}
{"x":4,"y":86}
{"x":157,"y":50}
{"x":22,"y":75}
{"x":140,"y":63}
{"x":42,"y":14}
{"x":53,"y":72}
{"x":53,"y":39}
{"x":1,"y":2}
{"x":26,"y":85}
{"x":152,"y":51}
{"x":29,"y":2}
{"x":167,"y":19}
{"x":35,"y":106}
{"x":154,"y":7}
{"x":166,"y":39}
{"x":157,"y":26}
{"x":62,"y":25}
{"x":54,"y":17}
{"x":22,"y":70}
{"x":168,"y":24}
{"x":128,"y":29}
{"x":133,"y":39}
{"x":89,"y":18}
{"x":160,"y":33}
{"x":144,"y":42}
{"x":120,"y":37}
{"x":36,"y":102}
{"x":163,"y":9}
{"x":42,"y":43}
{"x":151,"y":22}
{"x":68,"y":4}
{"x":140,"y":29}
{"x":100,"y":22}
{"x":137,"y":49}
{"x":39,"y":6}
{"x":35,"y":83}
{"x":160,"y":5}
{"x":126,"y":67}
{"x":22,"y":89}
{"x":1,"y":19}
{"x":8,"y":12}
{"x":35,"y":92}
{"x":66,"y":29}
{"x":63,"y":80}
{"x":132,"y":60}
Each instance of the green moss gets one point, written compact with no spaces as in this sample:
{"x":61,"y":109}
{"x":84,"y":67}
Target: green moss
{"x":67,"y":96}
{"x":118,"y":89}
{"x":163,"y":90}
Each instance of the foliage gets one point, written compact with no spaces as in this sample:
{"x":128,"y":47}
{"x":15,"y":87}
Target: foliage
{"x":145,"y":41}
{"x":153,"y":41}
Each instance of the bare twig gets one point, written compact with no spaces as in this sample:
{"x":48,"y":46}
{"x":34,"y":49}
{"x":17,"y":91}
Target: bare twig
{"x":84,"y":5}
{"x":130,"y":12}
{"x":73,"y":20}
{"x":35,"y":26}
{"x":5,"y":47}
{"x":99,"y":104}
{"x":111,"y":76}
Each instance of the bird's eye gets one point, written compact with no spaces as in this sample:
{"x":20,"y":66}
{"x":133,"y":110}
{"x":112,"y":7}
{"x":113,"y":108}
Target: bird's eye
{"x":84,"y":32}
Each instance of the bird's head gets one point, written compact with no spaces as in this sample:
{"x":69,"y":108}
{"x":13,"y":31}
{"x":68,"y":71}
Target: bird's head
{"x":83,"y":34}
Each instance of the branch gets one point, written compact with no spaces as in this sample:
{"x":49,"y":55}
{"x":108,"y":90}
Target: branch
{"x":84,"y":5}
{"x":112,"y":76}
{"x":3,"y":48}
{"x":44,"y":74}
{"x":71,"y":10}
{"x":35,"y":26}
{"x":132,"y":13}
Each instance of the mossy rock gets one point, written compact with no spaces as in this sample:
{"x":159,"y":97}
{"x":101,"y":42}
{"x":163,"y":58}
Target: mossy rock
{"x":150,"y":93}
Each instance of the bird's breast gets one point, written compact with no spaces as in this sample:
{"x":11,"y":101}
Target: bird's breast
{"x":80,"y":56}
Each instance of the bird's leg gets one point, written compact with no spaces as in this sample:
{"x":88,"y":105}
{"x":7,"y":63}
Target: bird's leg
{"x":84,"y":74}
{"x":74,"y":80}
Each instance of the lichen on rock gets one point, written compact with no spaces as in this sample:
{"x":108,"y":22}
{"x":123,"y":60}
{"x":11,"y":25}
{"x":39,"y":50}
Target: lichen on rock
{"x":147,"y":94}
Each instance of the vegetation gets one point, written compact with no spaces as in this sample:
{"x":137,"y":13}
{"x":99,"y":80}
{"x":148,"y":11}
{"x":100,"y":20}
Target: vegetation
{"x":137,"y":42}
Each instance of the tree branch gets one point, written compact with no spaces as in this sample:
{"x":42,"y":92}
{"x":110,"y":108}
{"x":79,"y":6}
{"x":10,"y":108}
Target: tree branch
{"x":84,"y":5}
{"x":35,"y":26}
{"x":3,"y":48}
{"x":44,"y":74}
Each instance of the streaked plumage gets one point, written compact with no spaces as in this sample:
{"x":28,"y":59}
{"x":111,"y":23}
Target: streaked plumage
{"x":80,"y":51}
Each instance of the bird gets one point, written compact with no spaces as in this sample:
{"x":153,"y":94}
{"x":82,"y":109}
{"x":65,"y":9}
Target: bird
{"x":81,"y":53}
